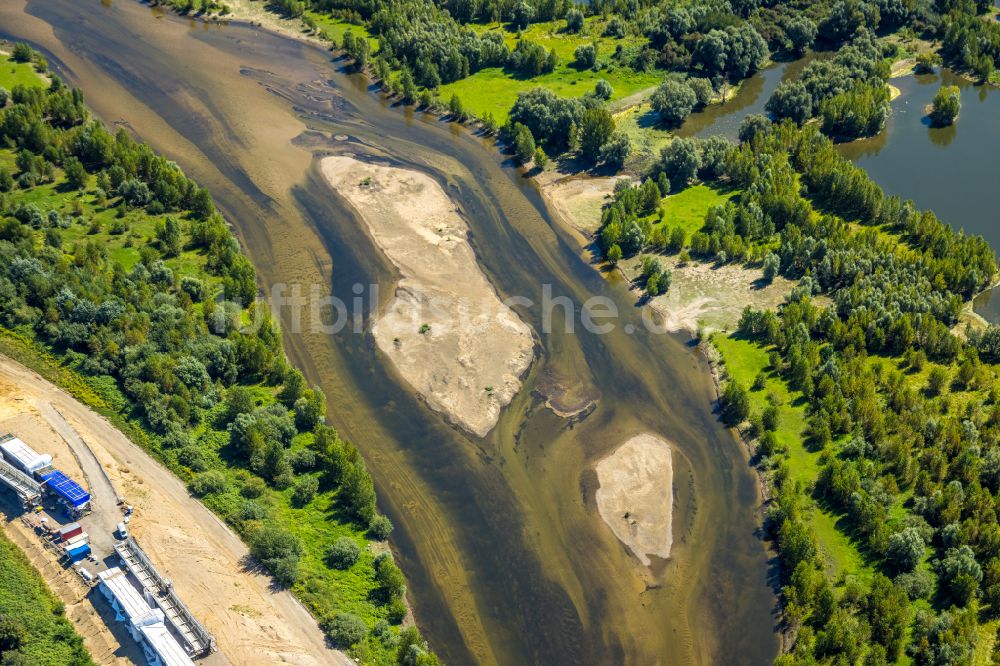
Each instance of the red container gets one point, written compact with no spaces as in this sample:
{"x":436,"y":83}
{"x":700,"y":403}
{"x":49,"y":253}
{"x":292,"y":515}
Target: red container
{"x":69,"y":531}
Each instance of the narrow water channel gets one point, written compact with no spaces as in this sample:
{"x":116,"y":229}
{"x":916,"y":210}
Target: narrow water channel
{"x":507,"y":559}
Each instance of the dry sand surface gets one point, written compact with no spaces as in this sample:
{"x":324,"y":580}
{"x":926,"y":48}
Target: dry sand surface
{"x":446,"y":330}
{"x":252,"y":623}
{"x":709,"y":295}
{"x":636,"y":495}
{"x":578,"y":199}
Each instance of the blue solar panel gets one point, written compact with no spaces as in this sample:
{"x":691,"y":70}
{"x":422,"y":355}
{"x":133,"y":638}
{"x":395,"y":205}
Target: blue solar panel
{"x":67,"y":488}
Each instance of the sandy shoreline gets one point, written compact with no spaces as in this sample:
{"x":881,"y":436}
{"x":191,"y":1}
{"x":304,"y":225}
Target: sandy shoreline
{"x":445,"y":330}
{"x":636,"y":495}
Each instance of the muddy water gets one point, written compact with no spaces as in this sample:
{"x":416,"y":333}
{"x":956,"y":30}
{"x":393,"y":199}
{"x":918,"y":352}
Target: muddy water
{"x":507,"y":559}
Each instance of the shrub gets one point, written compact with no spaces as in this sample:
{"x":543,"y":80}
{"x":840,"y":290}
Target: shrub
{"x":305,"y":491}
{"x":345,"y":629}
{"x":279,"y":551}
{"x":574,"y":21}
{"x":343,"y":553}
{"x":380,"y":528}
{"x":253,"y":488}
{"x":209,"y":482}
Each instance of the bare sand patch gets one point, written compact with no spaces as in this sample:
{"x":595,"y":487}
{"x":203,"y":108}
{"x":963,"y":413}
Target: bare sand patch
{"x":710,"y":296}
{"x":578,"y":199}
{"x":636,"y":495}
{"x":446,"y":330}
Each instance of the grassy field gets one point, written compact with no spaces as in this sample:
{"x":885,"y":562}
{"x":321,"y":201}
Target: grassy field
{"x":744,"y":360}
{"x":14,"y":73}
{"x":45,"y":635}
{"x":495,"y":91}
{"x":644,"y":130}
{"x":687,"y":208}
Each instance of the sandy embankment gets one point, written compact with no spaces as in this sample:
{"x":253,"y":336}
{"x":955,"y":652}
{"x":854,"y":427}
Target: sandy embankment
{"x":445,"y":329}
{"x":578,"y":200}
{"x":636,"y":495}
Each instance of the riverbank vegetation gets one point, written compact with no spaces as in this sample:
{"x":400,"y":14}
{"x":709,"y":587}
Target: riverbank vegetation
{"x":477,"y":60}
{"x":873,"y":421}
{"x":34,"y":628}
{"x":116,"y":266}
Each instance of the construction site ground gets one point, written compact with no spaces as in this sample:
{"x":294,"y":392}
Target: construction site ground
{"x":252,"y":621}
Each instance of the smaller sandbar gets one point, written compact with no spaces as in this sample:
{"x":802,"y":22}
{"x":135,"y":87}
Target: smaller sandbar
{"x":635,"y":497}
{"x":446,"y":329}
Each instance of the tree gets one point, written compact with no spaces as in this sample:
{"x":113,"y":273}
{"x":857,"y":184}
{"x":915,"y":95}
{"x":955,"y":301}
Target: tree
{"x":524,"y":143}
{"x":409,"y":88}
{"x":310,"y":409}
{"x":12,"y":634}
{"x":614,"y":254}
{"x":343,"y":553}
{"x":305,"y":491}
{"x":603,"y":90}
{"x":800,"y":33}
{"x":616,"y":150}
{"x":357,"y":491}
{"x":735,"y":404}
{"x":345,"y":629}
{"x":673,"y":100}
{"x":960,"y":574}
{"x":76,"y":174}
{"x":596,"y":128}
{"x":771,"y":265}
{"x":574,"y":21}
{"x":388,"y":577}
{"x":240,"y":400}
{"x":791,"y":99}
{"x":936,"y":380}
{"x":22,"y":52}
{"x":752,"y":125}
{"x":168,"y":233}
{"x":456,"y":109}
{"x":702,"y":89}
{"x":945,"y":106}
{"x":540,"y":158}
{"x":680,"y":160}
{"x":906,"y":549}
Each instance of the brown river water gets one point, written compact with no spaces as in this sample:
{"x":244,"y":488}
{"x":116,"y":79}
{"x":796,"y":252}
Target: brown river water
{"x":507,"y":559}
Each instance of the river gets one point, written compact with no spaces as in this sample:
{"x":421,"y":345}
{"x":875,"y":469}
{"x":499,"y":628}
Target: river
{"x":507,"y":559}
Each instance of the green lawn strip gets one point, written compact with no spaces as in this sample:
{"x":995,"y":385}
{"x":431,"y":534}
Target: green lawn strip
{"x":48,"y":638}
{"x":334,"y":29}
{"x":14,"y":73}
{"x":744,"y":360}
{"x":687,"y":208}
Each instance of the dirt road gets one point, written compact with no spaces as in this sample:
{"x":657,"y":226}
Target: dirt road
{"x":252,"y":623}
